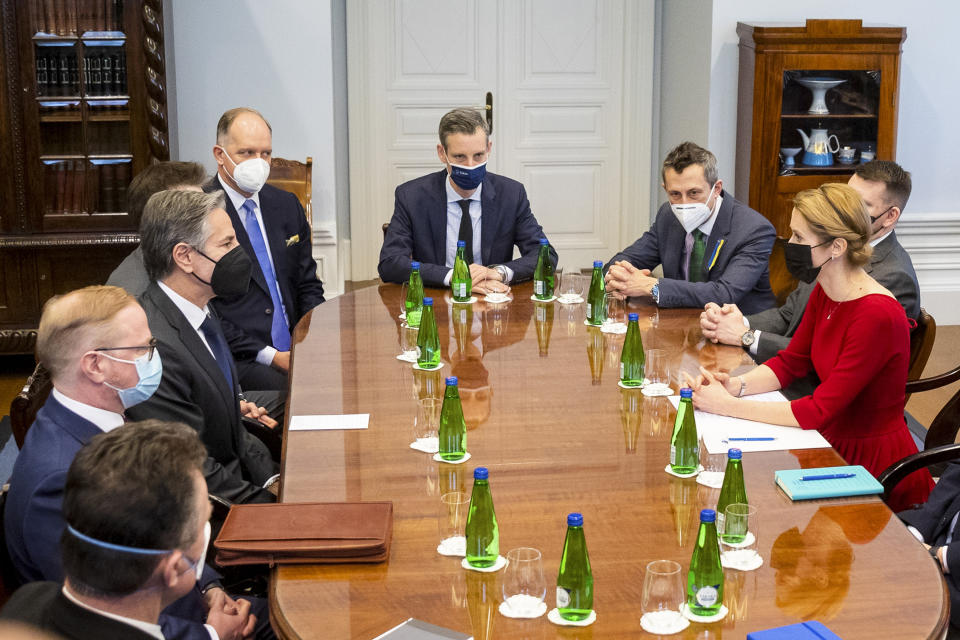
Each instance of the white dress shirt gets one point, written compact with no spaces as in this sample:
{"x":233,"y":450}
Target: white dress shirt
{"x":146,"y":627}
{"x":454,"y":214}
{"x":105,"y":420}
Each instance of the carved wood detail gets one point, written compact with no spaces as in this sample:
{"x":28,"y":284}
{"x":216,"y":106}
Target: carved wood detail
{"x":12,"y":55}
{"x":155,"y":78}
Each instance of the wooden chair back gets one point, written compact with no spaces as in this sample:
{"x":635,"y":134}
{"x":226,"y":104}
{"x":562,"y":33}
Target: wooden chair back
{"x":921,"y":344}
{"x":25,"y":406}
{"x":297,"y":178}
{"x":386,"y":225}
{"x":944,"y":427}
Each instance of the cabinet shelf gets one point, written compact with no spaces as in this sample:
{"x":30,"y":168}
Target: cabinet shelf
{"x":61,"y":117}
{"x":829,"y":116}
{"x":836,"y":169}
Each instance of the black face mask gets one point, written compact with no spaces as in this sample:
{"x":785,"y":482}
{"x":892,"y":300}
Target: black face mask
{"x":231,"y":273}
{"x":799,"y":260}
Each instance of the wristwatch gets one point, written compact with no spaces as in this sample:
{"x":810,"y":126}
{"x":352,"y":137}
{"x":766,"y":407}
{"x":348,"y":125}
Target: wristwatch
{"x":502,"y":270}
{"x":747,"y":338}
{"x":655,"y":292}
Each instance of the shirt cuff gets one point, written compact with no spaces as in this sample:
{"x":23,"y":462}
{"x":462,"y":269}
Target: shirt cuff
{"x":446,"y":278}
{"x":272,"y":479}
{"x":265,"y":355}
{"x":916,"y":532}
{"x":756,"y":341}
{"x":509,"y":273}
{"x":213,"y":632}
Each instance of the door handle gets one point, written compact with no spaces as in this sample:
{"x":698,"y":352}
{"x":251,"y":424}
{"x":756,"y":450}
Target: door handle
{"x":487,"y":110}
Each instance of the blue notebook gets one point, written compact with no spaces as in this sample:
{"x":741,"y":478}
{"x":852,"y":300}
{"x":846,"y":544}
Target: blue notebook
{"x":810,"y":630}
{"x":861,"y":484}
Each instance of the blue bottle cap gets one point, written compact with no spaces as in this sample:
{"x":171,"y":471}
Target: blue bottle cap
{"x":414,"y":265}
{"x":597,"y":263}
{"x":575,"y":520}
{"x":686,"y":392}
{"x":452,"y":381}
{"x":734,"y":454}
{"x":428,"y":302}
{"x":480,"y":473}
{"x":544,"y":241}
{"x":461,"y":244}
{"x":708,"y":515}
{"x":633,"y":317}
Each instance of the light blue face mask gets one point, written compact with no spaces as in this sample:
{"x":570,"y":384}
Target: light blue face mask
{"x":150,"y":372}
{"x":196,"y":566}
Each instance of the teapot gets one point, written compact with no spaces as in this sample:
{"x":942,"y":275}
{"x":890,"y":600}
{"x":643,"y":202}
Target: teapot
{"x":817,"y":150}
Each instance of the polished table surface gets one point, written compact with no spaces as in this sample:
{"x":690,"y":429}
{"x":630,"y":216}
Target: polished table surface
{"x":547,"y":418}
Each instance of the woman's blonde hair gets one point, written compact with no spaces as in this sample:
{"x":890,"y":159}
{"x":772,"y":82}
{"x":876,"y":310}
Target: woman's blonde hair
{"x":836,"y":210}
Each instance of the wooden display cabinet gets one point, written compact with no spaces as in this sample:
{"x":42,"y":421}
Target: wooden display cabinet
{"x":777,"y":64}
{"x":82,"y":110}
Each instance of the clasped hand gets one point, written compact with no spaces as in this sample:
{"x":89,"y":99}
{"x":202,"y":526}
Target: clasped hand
{"x":712,"y":392}
{"x":486,"y":280}
{"x":231,"y":618}
{"x":624,"y":280}
{"x":722,"y":324}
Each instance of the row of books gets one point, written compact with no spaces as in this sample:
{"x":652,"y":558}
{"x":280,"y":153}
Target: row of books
{"x":74,"y":186}
{"x":103,"y":74}
{"x":72,"y":17}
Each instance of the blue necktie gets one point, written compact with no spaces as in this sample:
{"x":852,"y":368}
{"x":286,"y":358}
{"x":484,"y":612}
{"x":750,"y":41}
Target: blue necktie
{"x":279,"y":329}
{"x":211,"y":331}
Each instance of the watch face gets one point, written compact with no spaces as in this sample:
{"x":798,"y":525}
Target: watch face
{"x":747,"y":338}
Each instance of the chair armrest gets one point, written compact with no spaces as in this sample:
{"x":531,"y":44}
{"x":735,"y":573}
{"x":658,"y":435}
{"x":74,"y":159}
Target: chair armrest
{"x":933,"y":382}
{"x":900,"y":469}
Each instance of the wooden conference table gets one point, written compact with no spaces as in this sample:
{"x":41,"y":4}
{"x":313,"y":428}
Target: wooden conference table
{"x":547,"y":418}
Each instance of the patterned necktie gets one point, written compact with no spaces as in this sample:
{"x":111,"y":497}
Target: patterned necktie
{"x":279,"y":328}
{"x":466,"y":230}
{"x":695,"y":267}
{"x":211,"y":331}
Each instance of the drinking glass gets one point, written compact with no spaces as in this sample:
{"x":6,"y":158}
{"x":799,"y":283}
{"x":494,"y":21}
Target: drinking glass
{"x":657,"y":371}
{"x":408,"y":342}
{"x":451,"y":522}
{"x":663,"y":595}
{"x":524,"y":587}
{"x":738,"y":544}
{"x":571,"y":288}
{"x":426,"y":424}
{"x":403,"y":300}
{"x":616,"y":321}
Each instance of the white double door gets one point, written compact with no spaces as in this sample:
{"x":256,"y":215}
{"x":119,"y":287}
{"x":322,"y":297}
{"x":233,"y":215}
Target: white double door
{"x":572,"y":88}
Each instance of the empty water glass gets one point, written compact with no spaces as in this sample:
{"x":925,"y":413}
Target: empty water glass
{"x":663,"y":595}
{"x":408,"y":342}
{"x":451,"y":522}
{"x":738,"y":544}
{"x":657,"y":371}
{"x":524,"y":587}
{"x":426,"y":425}
{"x":571,"y":288}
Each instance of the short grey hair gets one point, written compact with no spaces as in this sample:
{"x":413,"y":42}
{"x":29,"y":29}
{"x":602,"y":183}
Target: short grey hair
{"x":226,"y":120}
{"x":686,"y":154}
{"x":462,"y":120}
{"x":172,"y":217}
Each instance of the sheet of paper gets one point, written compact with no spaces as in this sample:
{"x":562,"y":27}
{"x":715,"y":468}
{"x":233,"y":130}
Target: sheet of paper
{"x":715,"y":431}
{"x":319,"y":423}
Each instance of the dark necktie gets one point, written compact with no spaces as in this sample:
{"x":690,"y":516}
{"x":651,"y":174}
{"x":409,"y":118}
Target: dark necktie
{"x":466,"y":230}
{"x":695,"y":269}
{"x":211,"y":331}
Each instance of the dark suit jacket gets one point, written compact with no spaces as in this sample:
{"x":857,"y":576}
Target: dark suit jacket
{"x":741,"y":274}
{"x":418,"y":230}
{"x":130,"y":275}
{"x":43,"y":605}
{"x":33,"y":517}
{"x":246,"y":319}
{"x":194,"y":391}
{"x":890,"y":265}
{"x":933,"y":520}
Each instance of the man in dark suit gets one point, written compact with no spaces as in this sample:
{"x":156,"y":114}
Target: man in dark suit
{"x":935,"y":525}
{"x":489,"y":212}
{"x":97,"y":346}
{"x":137,"y":517}
{"x":191,"y":254}
{"x":189,"y":176}
{"x":272,"y":228}
{"x":712,"y":248}
{"x":885,"y":188}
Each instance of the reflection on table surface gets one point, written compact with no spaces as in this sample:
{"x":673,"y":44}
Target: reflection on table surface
{"x":546,"y":416}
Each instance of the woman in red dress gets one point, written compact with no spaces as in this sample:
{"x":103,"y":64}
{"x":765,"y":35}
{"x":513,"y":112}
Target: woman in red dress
{"x":854,"y":335}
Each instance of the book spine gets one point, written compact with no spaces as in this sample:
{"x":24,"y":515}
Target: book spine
{"x":50,"y":188}
{"x":123,"y":181}
{"x":79,"y":178}
{"x":41,"y":67}
{"x":61,"y":170}
{"x":67,"y":205}
{"x":108,"y":187}
{"x":71,"y":16}
{"x":93,"y":188}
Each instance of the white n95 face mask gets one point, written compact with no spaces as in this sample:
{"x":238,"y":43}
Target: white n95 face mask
{"x":693,"y":214}
{"x":250,"y":175}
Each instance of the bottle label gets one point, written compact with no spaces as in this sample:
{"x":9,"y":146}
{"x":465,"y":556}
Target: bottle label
{"x":707,"y":596}
{"x":673,"y":454}
{"x":538,"y":287}
{"x":563,"y":598}
{"x":460,"y":289}
{"x":721,"y":520}
{"x":589,"y":311}
{"x":541,"y":314}
{"x":622,"y":369}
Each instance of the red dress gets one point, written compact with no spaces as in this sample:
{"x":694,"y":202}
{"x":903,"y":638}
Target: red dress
{"x":860,"y":350}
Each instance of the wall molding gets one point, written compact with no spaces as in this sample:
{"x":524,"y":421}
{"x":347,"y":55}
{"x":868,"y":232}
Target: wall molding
{"x":324,"y":249}
{"x":933,"y":241}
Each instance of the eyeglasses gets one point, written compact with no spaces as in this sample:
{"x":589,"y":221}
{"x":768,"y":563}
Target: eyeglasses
{"x":151,"y":347}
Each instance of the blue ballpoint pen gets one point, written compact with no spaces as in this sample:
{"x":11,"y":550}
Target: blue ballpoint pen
{"x":749,"y":439}
{"x":830,"y":476}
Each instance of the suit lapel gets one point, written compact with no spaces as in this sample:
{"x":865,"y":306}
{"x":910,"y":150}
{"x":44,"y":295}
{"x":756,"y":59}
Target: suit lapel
{"x":78,"y":427}
{"x":673,"y":259}
{"x":881,"y":251}
{"x":278,"y":245}
{"x":244,"y":239}
{"x":437,"y":210}
{"x":720,"y":231}
{"x":193,"y":344}
{"x":490,"y":219}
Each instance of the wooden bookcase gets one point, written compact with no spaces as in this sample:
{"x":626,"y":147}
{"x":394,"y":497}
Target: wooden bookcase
{"x":772,"y":105}
{"x":82,"y":110}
